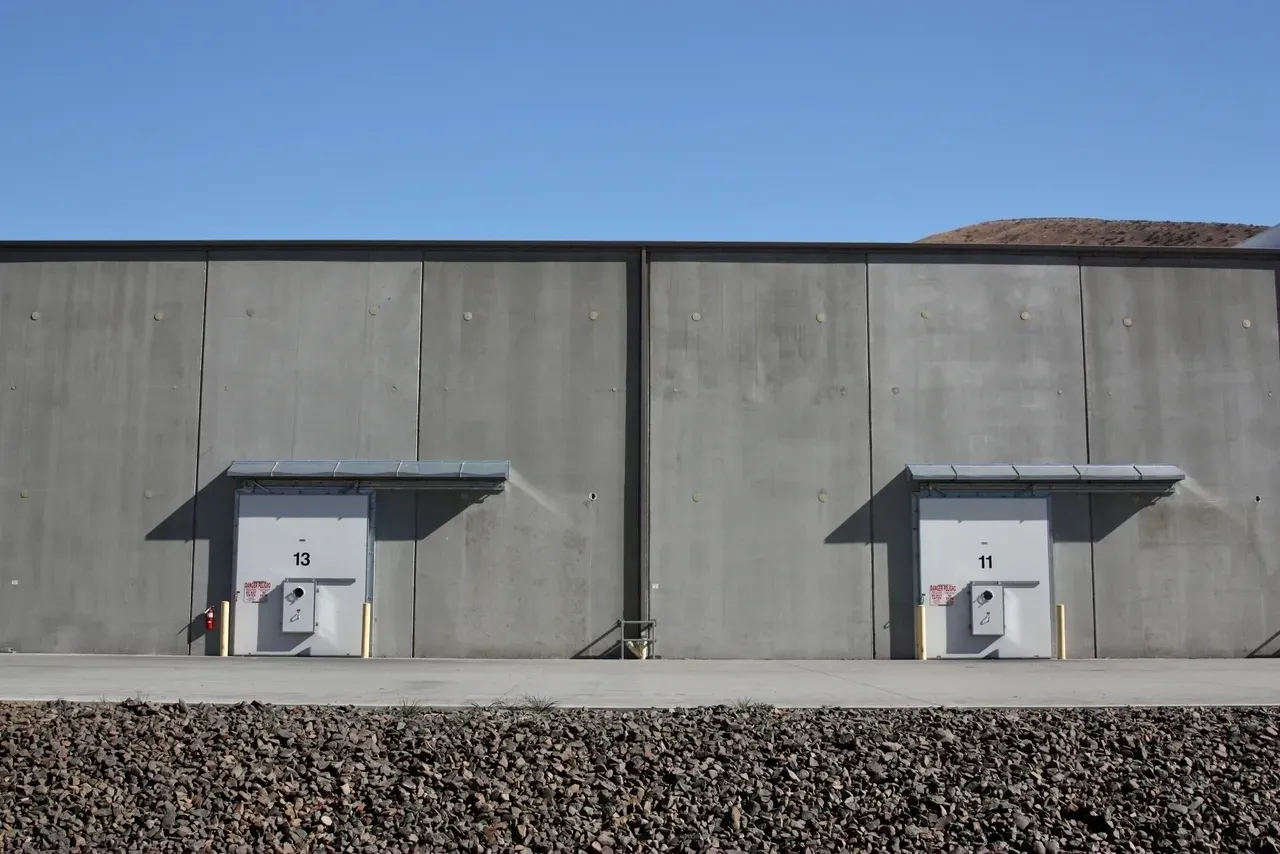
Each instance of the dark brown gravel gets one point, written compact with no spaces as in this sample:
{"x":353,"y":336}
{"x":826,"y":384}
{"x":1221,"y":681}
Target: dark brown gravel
{"x":143,"y":777}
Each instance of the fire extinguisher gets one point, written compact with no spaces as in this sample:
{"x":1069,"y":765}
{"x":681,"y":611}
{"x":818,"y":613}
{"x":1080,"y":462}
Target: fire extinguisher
{"x":208,"y":620}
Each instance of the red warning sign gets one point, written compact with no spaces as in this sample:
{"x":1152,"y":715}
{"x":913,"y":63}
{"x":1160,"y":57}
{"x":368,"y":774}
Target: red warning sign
{"x":256,"y":591}
{"x":942,"y":594}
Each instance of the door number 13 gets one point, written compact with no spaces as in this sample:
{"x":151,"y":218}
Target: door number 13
{"x":302,"y":558}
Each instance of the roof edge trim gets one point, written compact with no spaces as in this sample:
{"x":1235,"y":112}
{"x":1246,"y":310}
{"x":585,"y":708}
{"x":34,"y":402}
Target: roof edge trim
{"x":655,"y":246}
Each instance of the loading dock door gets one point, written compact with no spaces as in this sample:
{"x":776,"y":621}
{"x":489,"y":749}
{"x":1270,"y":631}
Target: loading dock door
{"x":985,"y":575}
{"x":302,"y":564}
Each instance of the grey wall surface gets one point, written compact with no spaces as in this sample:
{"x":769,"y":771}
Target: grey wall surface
{"x":957,"y":375}
{"x":145,"y":372}
{"x":99,"y":405}
{"x":760,"y":463}
{"x":1190,"y":384}
{"x":537,"y":375}
{"x":310,"y":358}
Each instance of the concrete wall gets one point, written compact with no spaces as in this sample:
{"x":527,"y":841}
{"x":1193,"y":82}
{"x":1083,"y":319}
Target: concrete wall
{"x":975,"y":360}
{"x":759,"y":459}
{"x":99,"y":407}
{"x":526,"y":360}
{"x":144,"y":375}
{"x":1187,"y":382}
{"x":308,"y":358}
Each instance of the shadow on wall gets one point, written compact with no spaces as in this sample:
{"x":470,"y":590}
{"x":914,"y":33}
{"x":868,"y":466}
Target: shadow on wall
{"x":1272,"y":643}
{"x":180,"y":526}
{"x":885,"y":520}
{"x":209,"y":516}
{"x":618,"y":645}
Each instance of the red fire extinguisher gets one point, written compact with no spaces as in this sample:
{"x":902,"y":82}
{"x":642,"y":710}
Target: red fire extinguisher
{"x":208,"y":620}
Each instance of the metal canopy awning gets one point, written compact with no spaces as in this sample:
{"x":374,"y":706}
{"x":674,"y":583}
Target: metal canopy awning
{"x":486,"y":475}
{"x":1072,"y":478}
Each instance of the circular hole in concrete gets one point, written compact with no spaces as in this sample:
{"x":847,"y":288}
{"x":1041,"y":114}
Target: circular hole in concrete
{"x":592,"y":496}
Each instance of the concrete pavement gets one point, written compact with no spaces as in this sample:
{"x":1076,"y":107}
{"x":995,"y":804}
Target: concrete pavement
{"x":635,"y":684}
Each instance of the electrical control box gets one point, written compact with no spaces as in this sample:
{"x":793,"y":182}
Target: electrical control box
{"x":298,"y":615}
{"x":986,"y":609}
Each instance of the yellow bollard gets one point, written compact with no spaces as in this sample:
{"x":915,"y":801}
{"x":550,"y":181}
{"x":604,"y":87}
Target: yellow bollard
{"x":1062,"y":631}
{"x":922,"y":646}
{"x":224,"y":629}
{"x":366,"y":630}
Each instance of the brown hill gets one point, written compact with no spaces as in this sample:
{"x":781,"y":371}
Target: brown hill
{"x":1099,"y":232}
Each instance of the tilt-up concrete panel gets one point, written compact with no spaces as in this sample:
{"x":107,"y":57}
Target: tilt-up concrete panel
{"x":1184,"y":368}
{"x":526,"y":359}
{"x":99,"y":402}
{"x":974,"y":360}
{"x":759,"y":459}
{"x":313,"y":356}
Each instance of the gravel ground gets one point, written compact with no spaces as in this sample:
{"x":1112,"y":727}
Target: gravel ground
{"x":144,"y":777}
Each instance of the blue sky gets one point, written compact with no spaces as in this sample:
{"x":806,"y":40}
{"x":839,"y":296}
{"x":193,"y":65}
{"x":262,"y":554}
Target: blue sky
{"x":833,"y":120}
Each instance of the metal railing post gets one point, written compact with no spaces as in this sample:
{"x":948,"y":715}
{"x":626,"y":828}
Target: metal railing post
{"x":1062,"y":631}
{"x":922,"y":642}
{"x":366,"y":630}
{"x":224,"y":629}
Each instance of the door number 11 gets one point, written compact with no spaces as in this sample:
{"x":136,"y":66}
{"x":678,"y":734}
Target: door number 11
{"x":985,"y":562}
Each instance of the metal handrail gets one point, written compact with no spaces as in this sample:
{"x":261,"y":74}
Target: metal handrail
{"x":642,"y":646}
{"x":647,"y":640}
